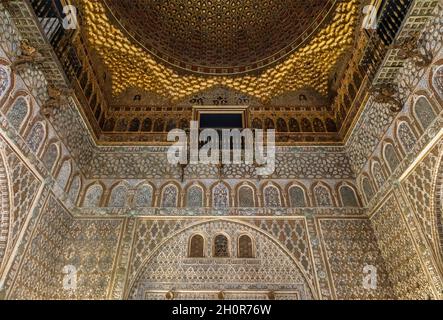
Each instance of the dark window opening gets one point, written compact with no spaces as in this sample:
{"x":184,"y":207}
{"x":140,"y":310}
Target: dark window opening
{"x":221,"y":121}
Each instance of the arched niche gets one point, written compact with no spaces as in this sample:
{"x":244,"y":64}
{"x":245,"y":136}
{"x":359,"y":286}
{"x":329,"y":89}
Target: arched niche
{"x":169,"y":268}
{"x":144,"y":196}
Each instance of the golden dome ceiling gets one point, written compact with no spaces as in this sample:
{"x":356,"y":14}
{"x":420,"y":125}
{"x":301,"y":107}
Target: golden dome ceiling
{"x":309,"y":65}
{"x":219,"y":36}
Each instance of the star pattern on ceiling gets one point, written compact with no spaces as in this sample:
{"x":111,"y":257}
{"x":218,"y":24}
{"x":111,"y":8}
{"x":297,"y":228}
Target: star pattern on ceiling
{"x":219,"y":36}
{"x":132,"y":66}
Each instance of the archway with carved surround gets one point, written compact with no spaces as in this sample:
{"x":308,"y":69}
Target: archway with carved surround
{"x":167,"y":268}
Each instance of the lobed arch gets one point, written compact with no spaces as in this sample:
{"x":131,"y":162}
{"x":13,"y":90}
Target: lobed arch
{"x":367,"y":187}
{"x":294,"y":125}
{"x":257,"y":123}
{"x":134,"y":125}
{"x":221,"y":235}
{"x":271,"y":184}
{"x":146,"y":125}
{"x":250,"y":238}
{"x":322,"y":202}
{"x":140,"y":200}
{"x":52,"y":164}
{"x":421,"y":99}
{"x":229,"y":194}
{"x":318,"y":125}
{"x":403,"y":126}
{"x":159,"y":125}
{"x":40,"y":124}
{"x":64,"y":173}
{"x":191,"y":185}
{"x":331,"y":125}
{"x":249,"y":185}
{"x":282,"y":126}
{"x":202,"y":237}
{"x":355,"y":202}
{"x":113,"y":199}
{"x":109,"y":125}
{"x":390,"y":155}
{"x":171,"y":124}
{"x":378,"y":172}
{"x":307,"y":199}
{"x":75,"y":187}
{"x":137,"y":278}
{"x":121,"y":125}
{"x":164,"y":188}
{"x":191,"y":244}
{"x":269,"y":124}
{"x":9,"y":77}
{"x":99,"y":188}
{"x":306,"y":125}
{"x":25,"y":97}
{"x":183,"y":124}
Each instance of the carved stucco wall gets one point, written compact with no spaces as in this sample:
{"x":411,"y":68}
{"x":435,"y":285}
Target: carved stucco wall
{"x":422,"y":189}
{"x":405,"y":268}
{"x":324,"y":249}
{"x":350,"y":245}
{"x":169,"y":268}
{"x":407,"y":223}
{"x":40,"y":272}
{"x":345,"y":246}
{"x":92,"y":247}
{"x":59,"y":240}
{"x":403,"y":202}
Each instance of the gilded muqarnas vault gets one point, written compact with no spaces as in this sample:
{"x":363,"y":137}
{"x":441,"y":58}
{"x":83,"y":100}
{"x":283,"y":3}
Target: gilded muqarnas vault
{"x":85,"y":186}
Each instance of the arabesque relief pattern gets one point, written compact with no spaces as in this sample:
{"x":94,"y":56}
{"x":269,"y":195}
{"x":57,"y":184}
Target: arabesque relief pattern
{"x":405,"y":270}
{"x":374,"y":201}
